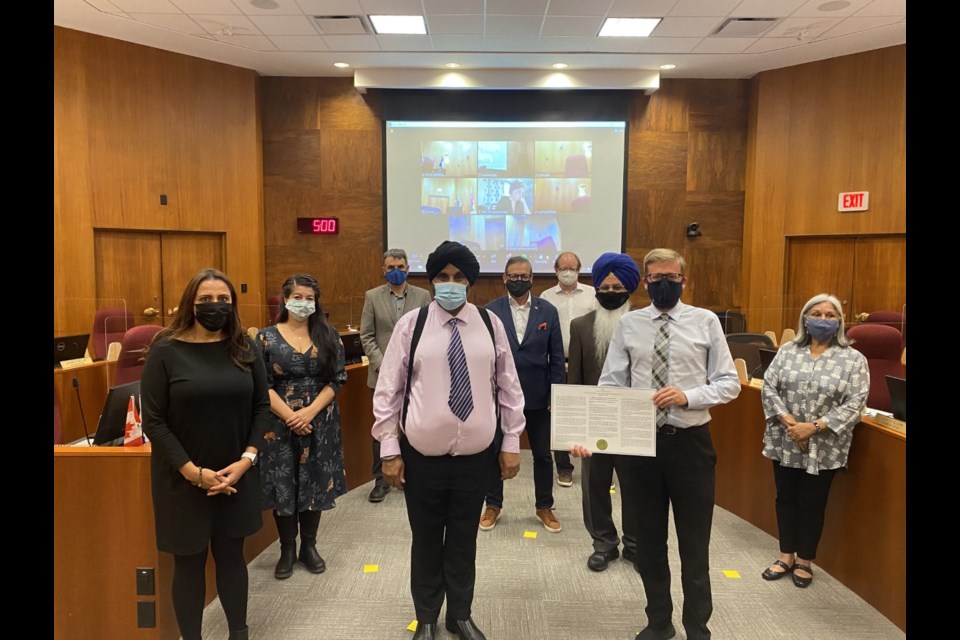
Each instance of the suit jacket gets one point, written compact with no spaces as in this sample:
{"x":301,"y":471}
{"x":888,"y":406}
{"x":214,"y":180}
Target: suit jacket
{"x":378,"y":318}
{"x":539,"y":356}
{"x":583,"y":367}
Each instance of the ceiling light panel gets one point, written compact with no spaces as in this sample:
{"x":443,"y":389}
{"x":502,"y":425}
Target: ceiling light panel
{"x":398,"y":24}
{"x":628,"y":27}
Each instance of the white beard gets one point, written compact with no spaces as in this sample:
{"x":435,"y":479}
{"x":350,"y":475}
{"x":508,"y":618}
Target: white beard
{"x":604,"y":324}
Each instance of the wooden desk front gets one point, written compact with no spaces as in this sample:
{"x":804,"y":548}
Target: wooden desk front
{"x":864,"y":536}
{"x":93,"y":382}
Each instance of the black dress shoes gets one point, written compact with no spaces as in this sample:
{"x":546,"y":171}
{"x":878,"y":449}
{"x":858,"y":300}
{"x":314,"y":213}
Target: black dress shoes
{"x":770,"y":574}
{"x":803,"y":583}
{"x":465,"y":629}
{"x":425,"y":631}
{"x":311,"y":559}
{"x":657,"y":633}
{"x":599,"y":560}
{"x":379,"y":492}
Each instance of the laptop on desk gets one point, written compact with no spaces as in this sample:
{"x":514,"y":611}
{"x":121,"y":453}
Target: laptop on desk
{"x":766,"y":358}
{"x":898,"y":396}
{"x":69,"y":348}
{"x":352,"y":348}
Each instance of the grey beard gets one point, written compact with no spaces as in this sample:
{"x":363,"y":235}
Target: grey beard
{"x":604,"y":324}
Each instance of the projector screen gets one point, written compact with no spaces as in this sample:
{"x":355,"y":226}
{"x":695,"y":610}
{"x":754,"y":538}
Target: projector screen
{"x":505,"y":189}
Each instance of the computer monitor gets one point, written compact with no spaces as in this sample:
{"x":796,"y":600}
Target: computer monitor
{"x":113,"y":418}
{"x":69,"y":348}
{"x":352,"y":348}
{"x":766,"y":357}
{"x":898,"y":397}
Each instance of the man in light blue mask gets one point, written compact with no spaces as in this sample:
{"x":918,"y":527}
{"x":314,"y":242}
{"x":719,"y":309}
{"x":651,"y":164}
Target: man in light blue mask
{"x":382,"y":307}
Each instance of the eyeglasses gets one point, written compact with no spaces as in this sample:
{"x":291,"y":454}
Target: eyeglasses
{"x":611,"y":288}
{"x":657,"y":277}
{"x":523,"y":277}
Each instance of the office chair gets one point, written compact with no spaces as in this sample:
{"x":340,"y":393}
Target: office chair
{"x":881,"y":346}
{"x":131,"y":360}
{"x":109,"y":325}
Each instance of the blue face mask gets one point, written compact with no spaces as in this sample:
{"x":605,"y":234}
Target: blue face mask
{"x":450,"y":295}
{"x":821,"y":329}
{"x":396,"y":277}
{"x":302,"y":309}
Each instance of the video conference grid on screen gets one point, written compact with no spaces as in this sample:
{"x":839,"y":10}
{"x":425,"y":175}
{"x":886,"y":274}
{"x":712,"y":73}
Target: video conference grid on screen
{"x":505,"y":189}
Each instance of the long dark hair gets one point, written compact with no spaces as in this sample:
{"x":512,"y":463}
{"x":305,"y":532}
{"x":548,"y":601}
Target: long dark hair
{"x":184,"y":319}
{"x":321,"y":332}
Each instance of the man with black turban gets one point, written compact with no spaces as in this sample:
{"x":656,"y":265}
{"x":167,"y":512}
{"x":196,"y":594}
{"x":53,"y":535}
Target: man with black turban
{"x":436,"y":411}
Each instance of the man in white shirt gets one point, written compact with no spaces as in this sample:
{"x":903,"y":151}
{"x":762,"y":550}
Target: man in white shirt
{"x":572,"y":300}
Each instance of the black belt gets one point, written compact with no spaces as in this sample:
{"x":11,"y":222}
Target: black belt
{"x":670,"y":430}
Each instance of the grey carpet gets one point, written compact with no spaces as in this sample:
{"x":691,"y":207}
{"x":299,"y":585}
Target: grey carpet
{"x":533,"y":589}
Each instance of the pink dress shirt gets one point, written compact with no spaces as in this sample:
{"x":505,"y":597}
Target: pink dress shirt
{"x":432,"y":429}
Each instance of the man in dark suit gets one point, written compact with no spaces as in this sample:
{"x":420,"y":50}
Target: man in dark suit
{"x":382,"y":307}
{"x":533,"y":328}
{"x":615,"y":277}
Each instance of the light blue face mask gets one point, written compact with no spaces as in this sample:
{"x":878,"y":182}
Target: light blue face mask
{"x":450,"y":295}
{"x":302,"y":309}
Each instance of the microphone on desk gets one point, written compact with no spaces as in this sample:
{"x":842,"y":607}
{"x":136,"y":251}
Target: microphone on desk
{"x":83,"y":419}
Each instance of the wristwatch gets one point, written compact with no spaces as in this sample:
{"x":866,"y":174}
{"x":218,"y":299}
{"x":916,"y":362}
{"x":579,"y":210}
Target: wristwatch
{"x":251,"y":456}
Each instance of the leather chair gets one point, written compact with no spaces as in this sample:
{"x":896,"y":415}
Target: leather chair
{"x":881,"y":345}
{"x":893,"y":319}
{"x":131,"y":360}
{"x":746,"y":346}
{"x":109,"y":325}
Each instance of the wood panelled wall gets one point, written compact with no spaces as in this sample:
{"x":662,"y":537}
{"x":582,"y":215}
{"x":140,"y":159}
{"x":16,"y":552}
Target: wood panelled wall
{"x":322,"y":155}
{"x":816,"y":130}
{"x":131,"y":123}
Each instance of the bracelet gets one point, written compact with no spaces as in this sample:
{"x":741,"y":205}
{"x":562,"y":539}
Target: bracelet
{"x":200,"y":475}
{"x":816,"y":427}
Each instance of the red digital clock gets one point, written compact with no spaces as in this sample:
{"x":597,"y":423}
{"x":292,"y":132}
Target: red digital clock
{"x":319,"y":226}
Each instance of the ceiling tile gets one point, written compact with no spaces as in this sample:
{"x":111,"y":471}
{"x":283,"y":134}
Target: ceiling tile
{"x":241,"y":25}
{"x":578,"y":8}
{"x":508,"y":43}
{"x":584,"y":26}
{"x":146,"y":6}
{"x":453,"y":6}
{"x":445,"y":25}
{"x":565,"y":44}
{"x":617,"y":45}
{"x":284,"y":8}
{"x":772,"y":44}
{"x":210,"y":7}
{"x":514,"y":26}
{"x":723,"y":45}
{"x":299,"y":43}
{"x":340,"y":26}
{"x":173,"y":21}
{"x":392,"y":7}
{"x":766,"y":8}
{"x":634,"y":9}
{"x":793,"y":27}
{"x":352,"y":43}
{"x":284,"y":25}
{"x":104,"y":5}
{"x":257,"y":43}
{"x":405,"y":42}
{"x":856,"y":24}
{"x":884,"y":8}
{"x":810,"y":9}
{"x":516,"y":8}
{"x":457,"y":43}
{"x":687,"y":27}
{"x":669,"y":45}
{"x":700,"y":8}
{"x":330,"y":7}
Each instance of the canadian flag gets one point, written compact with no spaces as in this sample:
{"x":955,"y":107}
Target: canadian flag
{"x":132,"y":433}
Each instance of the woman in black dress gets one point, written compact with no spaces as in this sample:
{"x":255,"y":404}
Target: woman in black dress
{"x":302,"y":453}
{"x":205,"y":409}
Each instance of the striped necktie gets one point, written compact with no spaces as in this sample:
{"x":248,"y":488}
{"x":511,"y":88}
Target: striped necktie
{"x":461,"y":397}
{"x":661,"y":354}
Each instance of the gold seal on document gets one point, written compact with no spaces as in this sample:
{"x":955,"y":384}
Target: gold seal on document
{"x":601,"y":445}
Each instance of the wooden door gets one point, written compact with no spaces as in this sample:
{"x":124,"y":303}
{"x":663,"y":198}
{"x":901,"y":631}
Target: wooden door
{"x":129,"y":273}
{"x":818,"y":265}
{"x":880,"y":274}
{"x":182,"y":255}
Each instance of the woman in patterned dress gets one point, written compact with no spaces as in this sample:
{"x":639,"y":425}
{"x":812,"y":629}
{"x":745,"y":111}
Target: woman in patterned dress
{"x":813,"y":394}
{"x":302,"y":454}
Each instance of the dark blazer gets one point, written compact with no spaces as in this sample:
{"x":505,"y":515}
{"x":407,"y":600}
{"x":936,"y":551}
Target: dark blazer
{"x":539,"y":357}
{"x":583,"y":367}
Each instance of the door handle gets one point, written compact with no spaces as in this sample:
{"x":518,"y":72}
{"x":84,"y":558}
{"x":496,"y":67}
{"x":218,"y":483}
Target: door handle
{"x":150,"y":312}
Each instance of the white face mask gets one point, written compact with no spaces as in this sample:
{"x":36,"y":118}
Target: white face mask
{"x":567,"y":277}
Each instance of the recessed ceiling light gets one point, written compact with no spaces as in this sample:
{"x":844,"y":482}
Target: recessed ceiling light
{"x":341,"y":65}
{"x":668,"y":66}
{"x":399,"y":25}
{"x":834,"y":5}
{"x":628,"y":27}
{"x":452,"y":65}
{"x":559,"y":65}
{"x":265,"y":4}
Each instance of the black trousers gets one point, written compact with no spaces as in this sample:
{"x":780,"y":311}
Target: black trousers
{"x":377,"y":468}
{"x":538,"y":432}
{"x":597,"y":475}
{"x":189,"y":586}
{"x":562,"y":458}
{"x":444,"y":496}
{"x":683,"y":474}
{"x":801,"y":504}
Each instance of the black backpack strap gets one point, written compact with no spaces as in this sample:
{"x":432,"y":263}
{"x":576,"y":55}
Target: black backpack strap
{"x":496,"y":390}
{"x":417,"y":331}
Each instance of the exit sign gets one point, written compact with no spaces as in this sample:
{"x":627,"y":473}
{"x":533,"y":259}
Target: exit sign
{"x":854,"y":201}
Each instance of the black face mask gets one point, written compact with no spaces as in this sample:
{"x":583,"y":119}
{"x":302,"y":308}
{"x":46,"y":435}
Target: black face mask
{"x":611,"y":300}
{"x":665,"y":294}
{"x":213,"y":316}
{"x":519,"y":288}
